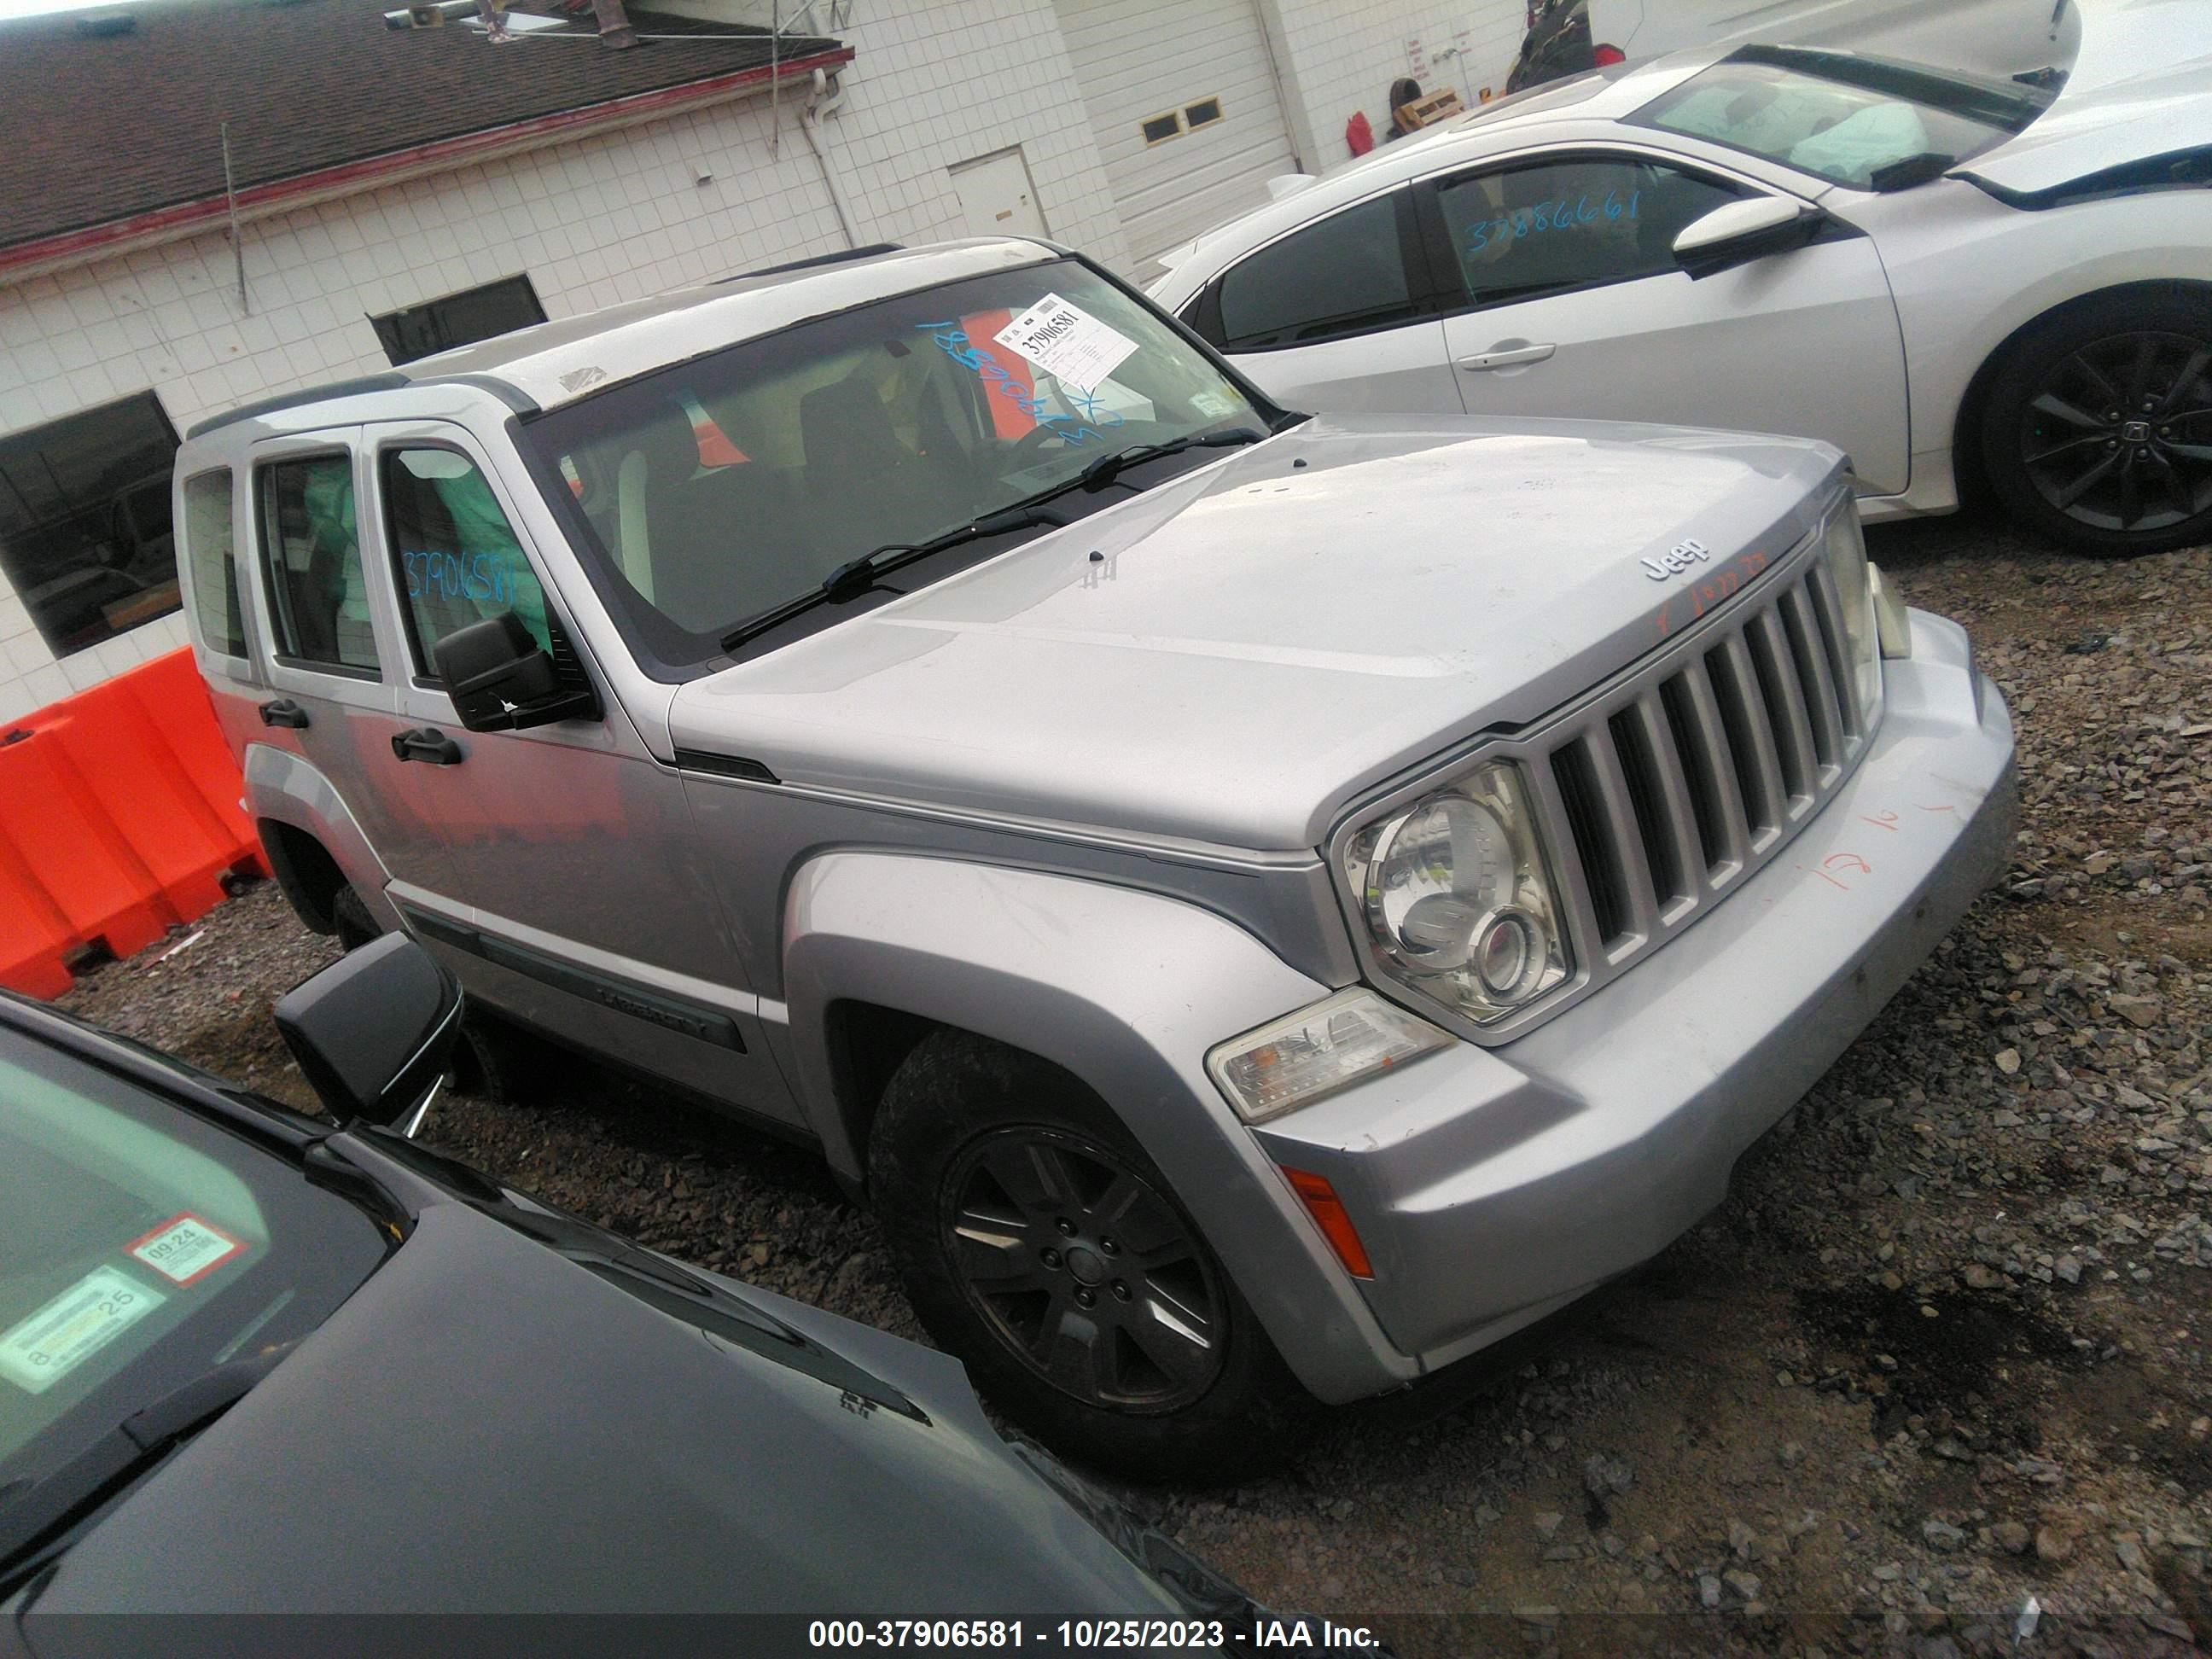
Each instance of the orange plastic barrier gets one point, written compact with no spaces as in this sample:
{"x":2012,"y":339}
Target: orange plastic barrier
{"x":119,"y":818}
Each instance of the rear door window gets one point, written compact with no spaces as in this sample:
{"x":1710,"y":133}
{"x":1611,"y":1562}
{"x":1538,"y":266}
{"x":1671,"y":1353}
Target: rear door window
{"x":318,"y":588}
{"x":1345,"y":274}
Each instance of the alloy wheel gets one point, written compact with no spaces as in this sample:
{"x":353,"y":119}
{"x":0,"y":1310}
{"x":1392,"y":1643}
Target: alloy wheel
{"x":1091,"y":1278}
{"x":2118,"y":436}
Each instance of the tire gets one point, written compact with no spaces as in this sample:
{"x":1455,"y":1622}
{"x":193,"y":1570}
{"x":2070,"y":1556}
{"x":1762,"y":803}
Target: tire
{"x":494,"y":1060}
{"x":351,"y":921}
{"x":1164,"y":1372}
{"x":2097,"y":434}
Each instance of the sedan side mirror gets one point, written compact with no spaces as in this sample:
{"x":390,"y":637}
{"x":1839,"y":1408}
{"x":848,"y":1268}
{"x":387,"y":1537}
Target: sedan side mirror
{"x":372,"y":1031}
{"x":1744,"y":231}
{"x":502,"y":680}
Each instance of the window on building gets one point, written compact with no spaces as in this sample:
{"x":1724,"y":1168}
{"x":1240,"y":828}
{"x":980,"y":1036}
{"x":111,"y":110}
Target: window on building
{"x":85,"y":535}
{"x":1342,"y":276}
{"x":312,"y":550}
{"x":1158,"y":128}
{"x":215,"y":570}
{"x":1203,"y":113}
{"x":460,"y":561}
{"x":458,"y":319}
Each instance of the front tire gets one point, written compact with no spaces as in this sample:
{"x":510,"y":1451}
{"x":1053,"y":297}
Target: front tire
{"x":1038,"y":1243}
{"x":2098,"y":430}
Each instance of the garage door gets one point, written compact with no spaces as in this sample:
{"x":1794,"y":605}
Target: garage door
{"x":1183,"y":97}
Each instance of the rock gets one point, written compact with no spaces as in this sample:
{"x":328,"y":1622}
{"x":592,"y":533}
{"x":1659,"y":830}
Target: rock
{"x":1332,"y":1589}
{"x":2008,"y":1061}
{"x":2130,"y":1555}
{"x":2052,"y":1545}
{"x":1549,"y":1522}
{"x":1742,"y":1540}
{"x":2138,"y":1011}
{"x":1789,"y":1454}
{"x":1603,"y":1475}
{"x":2068,"y":1267}
{"x":1942,"y":1536}
{"x":1980,"y":1277}
{"x":2011,"y":1537}
{"x":1745,"y":1585}
{"x":1709,"y":1590}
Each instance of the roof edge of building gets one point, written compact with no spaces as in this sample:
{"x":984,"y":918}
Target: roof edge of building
{"x":42,"y":256}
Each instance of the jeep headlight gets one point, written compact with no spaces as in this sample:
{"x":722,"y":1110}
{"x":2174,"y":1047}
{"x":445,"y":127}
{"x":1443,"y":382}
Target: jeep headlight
{"x":1844,"y":549}
{"x":1456,"y":898}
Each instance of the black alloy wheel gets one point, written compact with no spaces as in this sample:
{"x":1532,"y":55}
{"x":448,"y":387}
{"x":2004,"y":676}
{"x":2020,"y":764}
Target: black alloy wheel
{"x":2099,"y":431}
{"x":1089,"y":1273}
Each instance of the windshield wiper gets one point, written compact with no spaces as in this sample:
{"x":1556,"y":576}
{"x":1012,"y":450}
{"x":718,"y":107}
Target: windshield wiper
{"x":35,"y":1516}
{"x":1103,"y":470}
{"x":856,"y":576}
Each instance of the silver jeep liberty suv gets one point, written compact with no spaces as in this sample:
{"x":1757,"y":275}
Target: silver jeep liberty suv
{"x":1262,"y":906}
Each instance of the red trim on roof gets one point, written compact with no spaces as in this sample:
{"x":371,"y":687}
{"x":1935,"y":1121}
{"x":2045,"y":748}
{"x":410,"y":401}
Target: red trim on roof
{"x":211,"y":212}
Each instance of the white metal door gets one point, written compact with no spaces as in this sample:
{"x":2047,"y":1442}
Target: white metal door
{"x":1182,"y":95}
{"x":996,"y":196}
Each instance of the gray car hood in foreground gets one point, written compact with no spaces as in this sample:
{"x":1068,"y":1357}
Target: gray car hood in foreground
{"x":1234,"y":655}
{"x":487,"y":1426}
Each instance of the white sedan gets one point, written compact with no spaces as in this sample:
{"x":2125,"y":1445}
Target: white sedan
{"x":1947,"y":278}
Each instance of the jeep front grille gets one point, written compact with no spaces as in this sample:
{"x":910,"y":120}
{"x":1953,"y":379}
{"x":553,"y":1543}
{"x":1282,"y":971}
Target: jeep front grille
{"x":1667,"y":790}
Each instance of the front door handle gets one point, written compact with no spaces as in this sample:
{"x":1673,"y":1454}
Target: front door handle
{"x":427,"y":743}
{"x":1506,"y":357}
{"x":284,"y":712}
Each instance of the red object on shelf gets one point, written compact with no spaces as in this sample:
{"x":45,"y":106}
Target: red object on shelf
{"x":1358,"y":134}
{"x":119,"y":818}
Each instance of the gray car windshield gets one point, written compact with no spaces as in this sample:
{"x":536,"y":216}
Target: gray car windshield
{"x":1865,"y":123}
{"x":715,"y":491}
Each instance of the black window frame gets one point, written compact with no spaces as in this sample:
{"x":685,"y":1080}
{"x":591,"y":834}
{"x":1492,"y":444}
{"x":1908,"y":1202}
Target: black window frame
{"x":272,"y":590}
{"x":20,"y":577}
{"x":1423,"y":298}
{"x":390,"y":325}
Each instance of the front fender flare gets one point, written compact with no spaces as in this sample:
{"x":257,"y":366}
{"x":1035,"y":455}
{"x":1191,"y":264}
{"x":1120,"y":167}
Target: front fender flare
{"x":288,"y":788}
{"x":1127,"y":991}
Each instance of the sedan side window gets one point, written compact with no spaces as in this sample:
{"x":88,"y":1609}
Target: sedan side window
{"x":312,"y":548}
{"x":1577,"y":221}
{"x":1345,"y":274}
{"x":460,"y":561}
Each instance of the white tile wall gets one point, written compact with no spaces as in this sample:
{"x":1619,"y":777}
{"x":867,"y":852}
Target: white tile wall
{"x":592,"y":222}
{"x":1338,"y":57}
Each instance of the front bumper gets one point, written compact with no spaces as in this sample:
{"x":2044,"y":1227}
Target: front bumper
{"x":1492,"y":1186}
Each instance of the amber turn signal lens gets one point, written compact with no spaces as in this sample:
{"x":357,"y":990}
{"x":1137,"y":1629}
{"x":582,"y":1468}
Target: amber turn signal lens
{"x":1332,"y":1218}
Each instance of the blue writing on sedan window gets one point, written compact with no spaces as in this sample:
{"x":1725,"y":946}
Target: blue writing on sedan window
{"x":951,"y":339}
{"x":1562,"y":214}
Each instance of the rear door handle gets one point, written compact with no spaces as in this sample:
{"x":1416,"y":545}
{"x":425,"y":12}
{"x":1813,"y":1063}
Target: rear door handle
{"x":284,"y":712}
{"x":427,"y":743}
{"x":1507,"y":358}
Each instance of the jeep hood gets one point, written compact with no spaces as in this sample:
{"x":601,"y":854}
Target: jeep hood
{"x":1231,"y":657}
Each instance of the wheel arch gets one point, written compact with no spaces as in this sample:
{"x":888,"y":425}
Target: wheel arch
{"x":1966,"y":462}
{"x":306,"y":824}
{"x":1123,"y":991}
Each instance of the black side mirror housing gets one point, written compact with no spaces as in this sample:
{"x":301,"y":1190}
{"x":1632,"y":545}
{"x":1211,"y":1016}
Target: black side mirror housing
{"x":502,"y":680}
{"x":372,"y":1030}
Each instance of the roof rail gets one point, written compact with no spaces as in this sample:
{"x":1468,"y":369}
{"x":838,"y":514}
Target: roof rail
{"x":391,"y":378}
{"x":837,"y":258}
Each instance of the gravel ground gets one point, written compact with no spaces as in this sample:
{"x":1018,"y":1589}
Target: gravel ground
{"x":1941,"y":1351}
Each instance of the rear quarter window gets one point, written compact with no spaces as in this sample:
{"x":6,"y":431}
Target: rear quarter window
{"x":212,"y":556}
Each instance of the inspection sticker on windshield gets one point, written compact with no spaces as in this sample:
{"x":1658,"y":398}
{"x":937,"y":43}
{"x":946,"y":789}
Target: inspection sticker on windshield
{"x":184,"y":1249}
{"x":39,"y":1352}
{"x":1066,"y":342}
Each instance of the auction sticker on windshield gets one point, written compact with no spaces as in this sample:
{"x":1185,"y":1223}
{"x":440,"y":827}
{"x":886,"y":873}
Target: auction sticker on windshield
{"x":39,"y":1352}
{"x":184,"y":1249}
{"x":1066,"y":342}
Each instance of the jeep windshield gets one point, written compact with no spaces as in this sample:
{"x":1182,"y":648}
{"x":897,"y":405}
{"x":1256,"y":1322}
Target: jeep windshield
{"x":719,"y":491}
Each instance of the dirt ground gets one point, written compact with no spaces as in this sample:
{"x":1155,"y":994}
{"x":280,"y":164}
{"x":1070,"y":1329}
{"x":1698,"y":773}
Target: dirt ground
{"x":1932,"y":1380}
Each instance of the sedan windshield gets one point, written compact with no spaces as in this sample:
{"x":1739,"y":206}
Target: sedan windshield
{"x":714,"y":491}
{"x":1865,"y":123}
{"x":140,"y":1247}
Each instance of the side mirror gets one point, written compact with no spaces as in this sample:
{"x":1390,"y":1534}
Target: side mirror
{"x":1744,"y":231}
{"x":372,"y":1031}
{"x":501,"y":679}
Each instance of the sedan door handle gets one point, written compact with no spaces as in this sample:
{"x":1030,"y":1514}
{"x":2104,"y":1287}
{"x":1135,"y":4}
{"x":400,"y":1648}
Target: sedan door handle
{"x":1507,"y":358}
{"x":284,"y":712}
{"x":427,"y":744}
